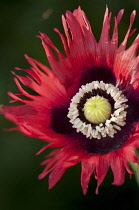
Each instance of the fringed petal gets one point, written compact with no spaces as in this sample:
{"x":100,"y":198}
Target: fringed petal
{"x":101,"y":170}
{"x":80,"y":47}
{"x":87,"y":170}
{"x":117,"y":167}
{"x":55,"y":176}
{"x":126,"y":61}
{"x":107,"y":48}
{"x":34,"y":121}
{"x":122,"y":46}
{"x":59,"y":160}
{"x":41,"y":83}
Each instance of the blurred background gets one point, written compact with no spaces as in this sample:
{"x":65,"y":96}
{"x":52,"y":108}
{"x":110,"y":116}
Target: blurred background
{"x":20,"y":189}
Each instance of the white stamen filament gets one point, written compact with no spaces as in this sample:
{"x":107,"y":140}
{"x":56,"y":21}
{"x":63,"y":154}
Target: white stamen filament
{"x":112,"y":125}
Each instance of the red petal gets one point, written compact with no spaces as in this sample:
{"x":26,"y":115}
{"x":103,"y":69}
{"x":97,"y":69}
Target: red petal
{"x":117,"y":167}
{"x":101,"y":169}
{"x":80,"y":46}
{"x":87,"y":170}
{"x":55,"y":176}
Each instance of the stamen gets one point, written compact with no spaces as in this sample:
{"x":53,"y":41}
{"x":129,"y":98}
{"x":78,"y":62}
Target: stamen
{"x":107,"y":123}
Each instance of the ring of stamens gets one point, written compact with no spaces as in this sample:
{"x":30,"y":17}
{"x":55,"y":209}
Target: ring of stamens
{"x":112,"y":124}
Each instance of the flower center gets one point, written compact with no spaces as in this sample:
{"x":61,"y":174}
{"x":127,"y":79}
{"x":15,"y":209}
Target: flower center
{"x":97,"y":109}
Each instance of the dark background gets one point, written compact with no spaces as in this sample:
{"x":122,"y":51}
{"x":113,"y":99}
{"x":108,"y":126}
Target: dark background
{"x":20,"y":22}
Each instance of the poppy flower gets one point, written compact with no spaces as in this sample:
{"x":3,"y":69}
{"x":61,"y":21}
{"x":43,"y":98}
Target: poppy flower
{"x":86,"y":105}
